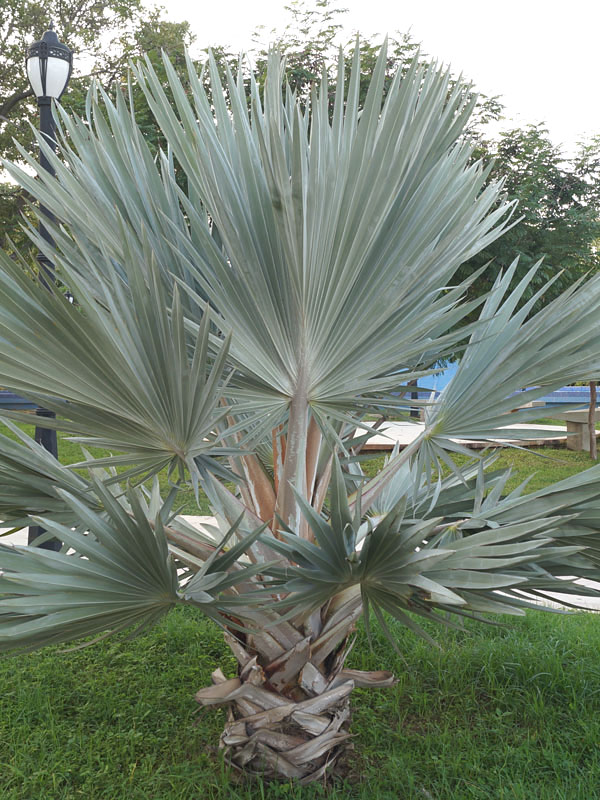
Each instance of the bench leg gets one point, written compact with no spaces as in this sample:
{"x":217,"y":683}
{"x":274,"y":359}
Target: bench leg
{"x":579,"y":438}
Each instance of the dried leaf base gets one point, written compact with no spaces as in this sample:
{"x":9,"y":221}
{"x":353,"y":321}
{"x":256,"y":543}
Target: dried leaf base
{"x":288,"y":717}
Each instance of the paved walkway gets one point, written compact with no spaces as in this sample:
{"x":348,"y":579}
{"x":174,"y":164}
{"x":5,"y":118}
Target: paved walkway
{"x":406,"y":432}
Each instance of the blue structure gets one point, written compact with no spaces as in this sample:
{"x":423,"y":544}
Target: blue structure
{"x":566,"y":395}
{"x":12,"y":402}
{"x":440,"y":379}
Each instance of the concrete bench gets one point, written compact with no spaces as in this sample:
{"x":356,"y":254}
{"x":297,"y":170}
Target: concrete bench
{"x":577,"y":428}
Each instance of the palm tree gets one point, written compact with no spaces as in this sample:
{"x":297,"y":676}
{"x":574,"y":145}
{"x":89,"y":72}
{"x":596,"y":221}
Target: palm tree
{"x":240,"y":332}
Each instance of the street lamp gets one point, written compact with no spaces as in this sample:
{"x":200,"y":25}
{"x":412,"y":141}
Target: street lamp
{"x":49,"y":66}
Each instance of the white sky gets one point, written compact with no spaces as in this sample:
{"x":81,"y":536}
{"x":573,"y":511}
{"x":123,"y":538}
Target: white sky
{"x":542,"y":56}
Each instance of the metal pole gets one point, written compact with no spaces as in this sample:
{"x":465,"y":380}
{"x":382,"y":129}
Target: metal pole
{"x":44,"y":436}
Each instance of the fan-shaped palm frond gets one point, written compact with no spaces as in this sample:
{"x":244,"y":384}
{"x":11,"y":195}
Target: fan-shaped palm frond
{"x":114,"y":572}
{"x":29,"y":478}
{"x":420,"y":564}
{"x":119,"y":575}
{"x":314,"y":221}
{"x":117,"y":368}
{"x":515,"y":356}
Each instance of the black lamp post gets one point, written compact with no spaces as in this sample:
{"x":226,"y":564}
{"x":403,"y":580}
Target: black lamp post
{"x":49,"y":66}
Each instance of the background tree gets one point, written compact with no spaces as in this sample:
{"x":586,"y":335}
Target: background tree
{"x":104,"y":36}
{"x":559,"y":202}
{"x":311,"y":42}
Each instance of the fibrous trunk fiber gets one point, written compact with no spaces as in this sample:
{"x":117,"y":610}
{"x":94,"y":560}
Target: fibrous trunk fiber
{"x":289,"y":706}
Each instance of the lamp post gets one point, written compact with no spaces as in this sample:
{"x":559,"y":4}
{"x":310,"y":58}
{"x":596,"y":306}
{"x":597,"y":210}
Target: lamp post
{"x":49,"y":66}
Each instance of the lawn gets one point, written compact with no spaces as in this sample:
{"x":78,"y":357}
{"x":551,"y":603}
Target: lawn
{"x":546,"y":465}
{"x":509,"y":712}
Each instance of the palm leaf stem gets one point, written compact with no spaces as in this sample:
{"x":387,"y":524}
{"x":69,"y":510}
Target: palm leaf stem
{"x":294,"y":467}
{"x":256,"y":488}
{"x":373,"y":488}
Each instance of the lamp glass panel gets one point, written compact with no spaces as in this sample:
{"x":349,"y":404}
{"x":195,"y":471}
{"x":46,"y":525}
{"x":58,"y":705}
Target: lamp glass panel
{"x":57,"y":76}
{"x":35,"y":78}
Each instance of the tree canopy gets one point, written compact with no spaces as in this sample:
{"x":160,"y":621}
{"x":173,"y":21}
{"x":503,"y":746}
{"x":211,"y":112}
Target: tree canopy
{"x":104,"y":36}
{"x":558,"y":206}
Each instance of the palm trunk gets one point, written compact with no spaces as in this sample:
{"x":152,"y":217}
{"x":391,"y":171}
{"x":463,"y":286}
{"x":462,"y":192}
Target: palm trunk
{"x":289,"y":707}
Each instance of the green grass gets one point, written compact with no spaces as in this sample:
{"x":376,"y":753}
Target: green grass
{"x":509,"y":713}
{"x":546,"y":465}
{"x":499,"y":713}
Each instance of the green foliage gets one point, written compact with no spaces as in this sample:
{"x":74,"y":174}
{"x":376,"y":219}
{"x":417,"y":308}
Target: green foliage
{"x":558,"y":197}
{"x":307,"y":41}
{"x":559,"y":200}
{"x":512,"y":345}
{"x":256,"y":267}
{"x":103,"y":36}
{"x":12,"y":208}
{"x":538,"y":467}
{"x":311,"y":41}
{"x":30,"y":476}
{"x":559,"y":203}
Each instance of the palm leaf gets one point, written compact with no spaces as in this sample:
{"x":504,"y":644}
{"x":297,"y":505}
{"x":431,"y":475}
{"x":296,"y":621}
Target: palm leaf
{"x":424,"y":565}
{"x":114,"y":572}
{"x":313,"y":222}
{"x":29,"y":479}
{"x":514,"y":357}
{"x":120,"y":575}
{"x":119,"y":373}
